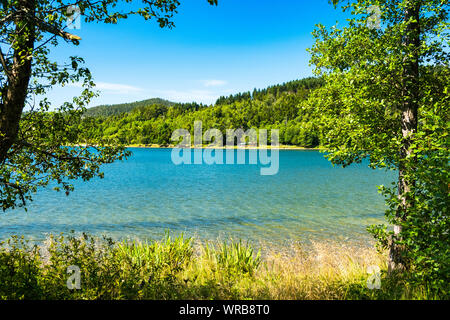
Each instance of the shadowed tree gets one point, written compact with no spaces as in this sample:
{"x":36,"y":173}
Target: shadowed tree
{"x":386,"y":98}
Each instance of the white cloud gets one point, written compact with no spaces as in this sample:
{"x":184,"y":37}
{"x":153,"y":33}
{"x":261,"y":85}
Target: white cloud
{"x":214,"y":83}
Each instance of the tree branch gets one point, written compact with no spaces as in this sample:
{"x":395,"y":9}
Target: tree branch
{"x":17,"y":187}
{"x":45,"y":26}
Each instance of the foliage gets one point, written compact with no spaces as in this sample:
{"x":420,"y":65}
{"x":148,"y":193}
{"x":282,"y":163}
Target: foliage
{"x":363,"y":111}
{"x":297,"y":86}
{"x":19,"y":269}
{"x":150,"y":267}
{"x":235,"y":258}
{"x":93,"y":257}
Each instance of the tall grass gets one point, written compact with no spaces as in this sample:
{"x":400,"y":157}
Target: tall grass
{"x":176,"y":268}
{"x":234,"y":257}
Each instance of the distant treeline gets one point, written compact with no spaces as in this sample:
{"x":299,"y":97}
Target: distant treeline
{"x":276,"y":107}
{"x":109,"y":110}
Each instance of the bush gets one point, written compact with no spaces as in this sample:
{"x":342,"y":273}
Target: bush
{"x":235,"y":258}
{"x":19,"y":269}
{"x":174,"y":268}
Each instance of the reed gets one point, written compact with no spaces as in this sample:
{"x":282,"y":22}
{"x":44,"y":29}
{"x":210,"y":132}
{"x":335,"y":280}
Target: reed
{"x":178,"y":268}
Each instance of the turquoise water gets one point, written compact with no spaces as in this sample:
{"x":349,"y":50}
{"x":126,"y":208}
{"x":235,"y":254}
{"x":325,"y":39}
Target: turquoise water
{"x":141,"y":197}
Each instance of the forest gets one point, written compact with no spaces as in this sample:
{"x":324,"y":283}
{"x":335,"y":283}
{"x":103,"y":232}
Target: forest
{"x":153,"y":121}
{"x":109,"y":110}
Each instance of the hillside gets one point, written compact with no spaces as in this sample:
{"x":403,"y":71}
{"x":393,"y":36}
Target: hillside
{"x":115,"y":109}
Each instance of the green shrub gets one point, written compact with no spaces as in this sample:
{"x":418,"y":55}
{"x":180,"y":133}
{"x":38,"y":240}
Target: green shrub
{"x":19,"y":269}
{"x":95,"y":258}
{"x":148,"y":268}
{"x":236,"y":258}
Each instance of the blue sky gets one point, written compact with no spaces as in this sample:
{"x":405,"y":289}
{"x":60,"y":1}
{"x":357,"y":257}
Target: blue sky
{"x":237,"y":46}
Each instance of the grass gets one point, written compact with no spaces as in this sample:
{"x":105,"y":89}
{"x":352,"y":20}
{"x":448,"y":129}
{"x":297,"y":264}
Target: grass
{"x":177,"y":268}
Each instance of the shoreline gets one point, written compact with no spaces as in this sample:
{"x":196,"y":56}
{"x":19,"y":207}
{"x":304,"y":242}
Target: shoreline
{"x":280,"y":147}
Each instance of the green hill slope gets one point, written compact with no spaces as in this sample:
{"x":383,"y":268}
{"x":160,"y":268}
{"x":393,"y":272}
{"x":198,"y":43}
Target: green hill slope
{"x":276,"y":107}
{"x":115,"y":109}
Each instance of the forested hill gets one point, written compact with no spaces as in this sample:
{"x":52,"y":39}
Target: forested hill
{"x":276,"y":107}
{"x":296,"y":87}
{"x":114,"y":109}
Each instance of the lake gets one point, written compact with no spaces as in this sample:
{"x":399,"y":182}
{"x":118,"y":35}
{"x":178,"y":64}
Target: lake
{"x":141,"y":197}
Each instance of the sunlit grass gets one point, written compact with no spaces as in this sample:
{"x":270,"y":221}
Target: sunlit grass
{"x":178,"y":268}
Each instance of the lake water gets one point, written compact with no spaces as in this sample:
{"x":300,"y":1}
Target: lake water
{"x":141,"y":197}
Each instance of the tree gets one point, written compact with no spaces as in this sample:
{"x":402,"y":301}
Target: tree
{"x":386,"y":97}
{"x":36,"y":146}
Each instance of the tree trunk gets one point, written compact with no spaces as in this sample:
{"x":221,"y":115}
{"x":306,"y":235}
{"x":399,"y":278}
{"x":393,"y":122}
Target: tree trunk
{"x":19,"y":73}
{"x":410,"y":94}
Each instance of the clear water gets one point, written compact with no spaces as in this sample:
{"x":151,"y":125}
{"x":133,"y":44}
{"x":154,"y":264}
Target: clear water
{"x":141,"y":197}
